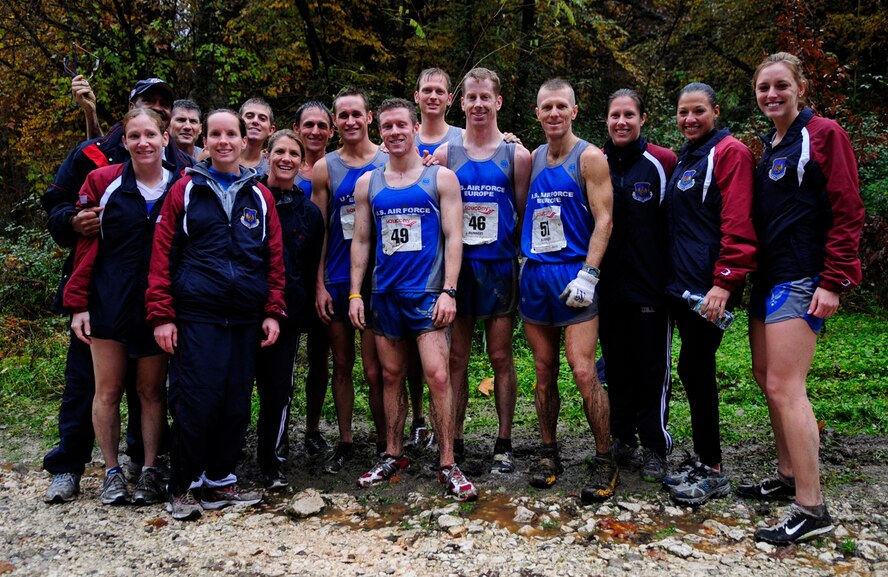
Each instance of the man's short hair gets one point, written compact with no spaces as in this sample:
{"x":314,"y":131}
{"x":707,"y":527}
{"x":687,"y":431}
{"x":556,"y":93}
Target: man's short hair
{"x":429,"y":73}
{"x":309,"y":105}
{"x":186,"y":104}
{"x":557,"y":84}
{"x":260,"y":102}
{"x":394,"y":103}
{"x":480,"y":74}
{"x":352,"y":91}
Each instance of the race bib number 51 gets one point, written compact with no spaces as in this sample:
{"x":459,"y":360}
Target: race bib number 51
{"x":548,"y":230}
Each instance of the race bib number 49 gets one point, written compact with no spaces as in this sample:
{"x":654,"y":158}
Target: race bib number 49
{"x":347,"y":221}
{"x":480,"y":222}
{"x":548,"y":230}
{"x":401,"y":233}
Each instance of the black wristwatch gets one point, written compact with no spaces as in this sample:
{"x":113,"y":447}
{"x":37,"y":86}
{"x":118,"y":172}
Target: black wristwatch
{"x":451,"y":292}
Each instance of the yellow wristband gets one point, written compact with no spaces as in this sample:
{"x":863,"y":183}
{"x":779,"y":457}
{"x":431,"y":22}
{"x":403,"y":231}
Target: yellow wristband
{"x":355,"y":296}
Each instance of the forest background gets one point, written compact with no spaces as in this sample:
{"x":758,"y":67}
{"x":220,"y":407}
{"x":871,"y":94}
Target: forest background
{"x":220,"y":52}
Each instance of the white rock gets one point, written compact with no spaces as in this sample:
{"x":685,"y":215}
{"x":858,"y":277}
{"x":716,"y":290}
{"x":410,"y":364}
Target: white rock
{"x":629,"y":506}
{"x":872,"y":551}
{"x":673,"y":511}
{"x":764,"y":547}
{"x":523,"y":515}
{"x":306,"y":504}
{"x":446,"y":521}
{"x":841,"y":532}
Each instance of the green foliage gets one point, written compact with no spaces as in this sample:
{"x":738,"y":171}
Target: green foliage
{"x":29,"y":271}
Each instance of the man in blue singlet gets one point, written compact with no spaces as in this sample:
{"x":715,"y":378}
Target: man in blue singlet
{"x":433,"y":97}
{"x":493,"y":177}
{"x":415,"y":211}
{"x":333,"y":185}
{"x":567,"y":224}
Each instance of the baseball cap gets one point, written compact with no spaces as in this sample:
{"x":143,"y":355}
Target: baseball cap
{"x":143,"y":86}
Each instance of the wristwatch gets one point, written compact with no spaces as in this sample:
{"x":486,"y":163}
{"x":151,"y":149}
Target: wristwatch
{"x":591,"y":270}
{"x":451,"y":292}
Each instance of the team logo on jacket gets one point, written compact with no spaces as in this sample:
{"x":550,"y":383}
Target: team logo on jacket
{"x":687,"y":180}
{"x":778,"y":169}
{"x":250,"y":218}
{"x":642,"y":192}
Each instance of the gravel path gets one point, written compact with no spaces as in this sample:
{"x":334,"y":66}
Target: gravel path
{"x":406,"y":528}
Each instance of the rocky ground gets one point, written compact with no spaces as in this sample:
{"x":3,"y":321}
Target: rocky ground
{"x":327,"y":526}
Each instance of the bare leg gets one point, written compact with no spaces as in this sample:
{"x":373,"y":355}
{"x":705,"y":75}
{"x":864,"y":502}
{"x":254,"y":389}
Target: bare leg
{"x":373,"y":375}
{"x":579,"y":346}
{"x":760,"y":372}
{"x":460,"y":350}
{"x":435,"y":354}
{"x":545,"y":344}
{"x":150,"y":374}
{"x":415,"y":381}
{"x":789,"y":347}
{"x":499,"y":351}
{"x":393,"y":358}
{"x":342,"y":344}
{"x":109,"y":364}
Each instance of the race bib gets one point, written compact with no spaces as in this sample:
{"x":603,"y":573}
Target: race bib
{"x":347,"y":221}
{"x":401,"y":233}
{"x":480,"y":222}
{"x":548,"y":230}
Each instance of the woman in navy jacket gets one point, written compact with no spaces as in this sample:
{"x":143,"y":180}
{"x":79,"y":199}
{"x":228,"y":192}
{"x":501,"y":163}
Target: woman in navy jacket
{"x":106,"y":294}
{"x":809,"y":216}
{"x":634,"y":319}
{"x":712,"y":247}
{"x":216,"y":285}
{"x":302,"y":228}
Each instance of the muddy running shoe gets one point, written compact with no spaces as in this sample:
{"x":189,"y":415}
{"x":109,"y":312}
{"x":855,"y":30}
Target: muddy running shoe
{"x":653,"y":466}
{"x":419,"y":435}
{"x":315,"y":444}
{"x":797,"y":525}
{"x":702,"y":484}
{"x":771,"y":488}
{"x":150,"y":488}
{"x":431,"y":444}
{"x":63,"y":488}
{"x":114,"y":488}
{"x":456,"y":485}
{"x":603,"y":481}
{"x":132,"y":470}
{"x":184,"y":507}
{"x":275,"y":481}
{"x":680,"y":474}
{"x":545,"y":473}
{"x":343,"y":454}
{"x":219,"y":497}
{"x":383,"y":469}
{"x":626,"y":455}
{"x":503,"y":463}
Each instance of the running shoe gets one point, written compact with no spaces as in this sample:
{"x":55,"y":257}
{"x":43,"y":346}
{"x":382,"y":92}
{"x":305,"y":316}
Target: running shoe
{"x":626,"y":455}
{"x":219,"y":497}
{"x":343,"y":454}
{"x":680,"y":474}
{"x":383,"y":469}
{"x":503,"y":463}
{"x":275,"y":481}
{"x":456,"y":485}
{"x":114,"y":488}
{"x":770,"y":488}
{"x":797,"y":525}
{"x":702,"y":484}
{"x":150,"y":488}
{"x":184,"y":507}
{"x":315,"y":444}
{"x":653,"y":466}
{"x":545,"y":473}
{"x":63,"y":488}
{"x":603,"y":481}
{"x":419,"y":435}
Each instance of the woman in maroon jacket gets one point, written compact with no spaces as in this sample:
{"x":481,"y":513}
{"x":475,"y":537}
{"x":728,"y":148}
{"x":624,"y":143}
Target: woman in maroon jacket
{"x":711,"y":247}
{"x":106,"y":294}
{"x":809,"y":217}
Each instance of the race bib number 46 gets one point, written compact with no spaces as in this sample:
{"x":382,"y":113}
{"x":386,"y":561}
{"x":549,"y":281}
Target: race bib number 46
{"x":548,"y":230}
{"x":480,"y":222}
{"x":347,"y":221}
{"x":401,"y":233}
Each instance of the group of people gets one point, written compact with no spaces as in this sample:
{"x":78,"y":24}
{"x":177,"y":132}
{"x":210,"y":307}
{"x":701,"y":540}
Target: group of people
{"x":219,"y":259}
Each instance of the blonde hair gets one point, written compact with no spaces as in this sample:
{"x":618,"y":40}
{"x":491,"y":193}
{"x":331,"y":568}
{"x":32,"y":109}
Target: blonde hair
{"x":792,"y":63}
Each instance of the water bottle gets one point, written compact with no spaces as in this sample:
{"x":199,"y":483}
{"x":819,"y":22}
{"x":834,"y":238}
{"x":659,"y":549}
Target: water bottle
{"x":695,"y":301}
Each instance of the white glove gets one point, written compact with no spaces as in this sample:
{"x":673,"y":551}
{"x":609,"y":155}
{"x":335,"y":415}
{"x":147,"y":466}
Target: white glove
{"x":580,"y":292}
